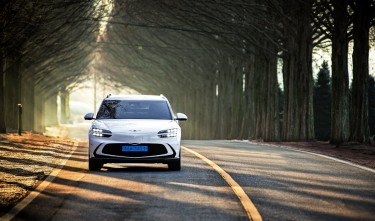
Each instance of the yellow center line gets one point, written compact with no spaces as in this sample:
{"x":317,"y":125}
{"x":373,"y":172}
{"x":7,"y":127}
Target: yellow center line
{"x":248,"y":205}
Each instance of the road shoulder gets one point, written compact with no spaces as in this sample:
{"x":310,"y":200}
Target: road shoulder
{"x":25,"y":162}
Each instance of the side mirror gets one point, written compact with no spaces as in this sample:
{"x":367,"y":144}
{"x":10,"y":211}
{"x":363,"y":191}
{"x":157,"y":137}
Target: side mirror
{"x":181,"y":117}
{"x":89,"y":116}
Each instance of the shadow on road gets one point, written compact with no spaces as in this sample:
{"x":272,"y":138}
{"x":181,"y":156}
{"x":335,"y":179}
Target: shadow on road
{"x":141,"y":192}
{"x":137,"y":169}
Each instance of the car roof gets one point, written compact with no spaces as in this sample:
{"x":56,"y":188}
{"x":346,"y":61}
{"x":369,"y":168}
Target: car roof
{"x":135,"y":97}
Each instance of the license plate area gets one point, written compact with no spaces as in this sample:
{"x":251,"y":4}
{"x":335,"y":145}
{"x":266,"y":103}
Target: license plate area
{"x":134,"y":148}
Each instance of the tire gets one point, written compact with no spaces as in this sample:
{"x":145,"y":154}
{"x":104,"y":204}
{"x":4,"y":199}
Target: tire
{"x":94,"y":165}
{"x":175,"y":166}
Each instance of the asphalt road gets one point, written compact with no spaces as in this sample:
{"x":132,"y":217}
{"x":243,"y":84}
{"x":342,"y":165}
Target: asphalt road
{"x":291,"y":185}
{"x":283,"y":185}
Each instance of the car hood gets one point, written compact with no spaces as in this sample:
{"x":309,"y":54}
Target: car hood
{"x":125,"y":126}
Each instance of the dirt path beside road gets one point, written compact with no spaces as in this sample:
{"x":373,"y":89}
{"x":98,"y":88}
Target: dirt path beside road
{"x":25,"y":161}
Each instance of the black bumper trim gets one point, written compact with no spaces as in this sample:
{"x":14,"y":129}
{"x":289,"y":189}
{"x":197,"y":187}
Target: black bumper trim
{"x":122,"y":160}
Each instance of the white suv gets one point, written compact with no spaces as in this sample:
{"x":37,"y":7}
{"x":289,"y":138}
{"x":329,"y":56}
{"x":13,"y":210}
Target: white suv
{"x":135,"y":129}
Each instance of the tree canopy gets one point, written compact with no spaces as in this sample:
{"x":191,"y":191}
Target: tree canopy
{"x":218,"y":61}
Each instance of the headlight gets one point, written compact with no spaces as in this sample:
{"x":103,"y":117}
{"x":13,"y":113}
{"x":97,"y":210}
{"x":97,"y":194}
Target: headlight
{"x":101,"y":132}
{"x":168,"y":133}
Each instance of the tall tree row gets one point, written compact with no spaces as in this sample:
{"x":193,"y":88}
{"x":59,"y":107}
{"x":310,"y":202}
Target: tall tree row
{"x":45,"y":47}
{"x":341,"y":22}
{"x":216,"y":60}
{"x":234,"y":75}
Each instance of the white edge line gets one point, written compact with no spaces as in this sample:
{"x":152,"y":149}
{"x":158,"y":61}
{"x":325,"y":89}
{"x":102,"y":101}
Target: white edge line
{"x":34,"y":193}
{"x":317,"y":154}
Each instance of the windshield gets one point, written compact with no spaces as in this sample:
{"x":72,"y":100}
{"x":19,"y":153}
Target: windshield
{"x":130,"y":109}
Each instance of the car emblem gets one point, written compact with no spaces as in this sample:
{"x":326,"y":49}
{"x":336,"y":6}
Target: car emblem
{"x":134,"y":130}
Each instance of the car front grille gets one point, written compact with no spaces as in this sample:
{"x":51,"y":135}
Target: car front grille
{"x":116,"y":149}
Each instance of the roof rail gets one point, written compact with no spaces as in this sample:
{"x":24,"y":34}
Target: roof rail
{"x":109,"y":95}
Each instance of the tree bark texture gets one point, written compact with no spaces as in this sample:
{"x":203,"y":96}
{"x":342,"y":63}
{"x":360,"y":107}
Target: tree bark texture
{"x":50,"y":107}
{"x":2,"y":104}
{"x":39,"y":121}
{"x":298,"y":119}
{"x":64,"y":105}
{"x":12,"y":92}
{"x":250,"y":96}
{"x":272,"y":129}
{"x":245,"y":122}
{"x":359,"y":130}
{"x":28,"y":99}
{"x":340,"y":80}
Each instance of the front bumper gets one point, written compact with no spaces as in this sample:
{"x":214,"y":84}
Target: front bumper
{"x":109,"y":149}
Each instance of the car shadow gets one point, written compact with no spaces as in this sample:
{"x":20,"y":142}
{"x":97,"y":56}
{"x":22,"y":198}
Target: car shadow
{"x":134,"y":168}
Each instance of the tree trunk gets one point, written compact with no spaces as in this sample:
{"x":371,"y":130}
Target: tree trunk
{"x":222,"y":102}
{"x":298,"y":121}
{"x":250,"y":96}
{"x":215,"y":103}
{"x":340,"y":79}
{"x":361,"y":26}
{"x":272,"y":132}
{"x":28,"y":99}
{"x":235,"y":97}
{"x":2,"y":104}
{"x":246,"y":119}
{"x":64,"y":106}
{"x":210,"y":99}
{"x":12,"y":92}
{"x":260,"y":76}
{"x":50,"y":107}
{"x":39,"y":122}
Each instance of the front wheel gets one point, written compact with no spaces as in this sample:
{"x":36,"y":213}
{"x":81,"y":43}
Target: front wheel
{"x":94,"y":165}
{"x":176,"y":165}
